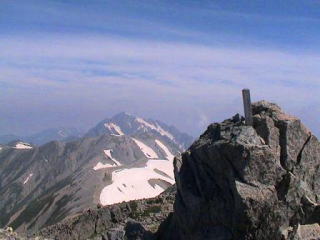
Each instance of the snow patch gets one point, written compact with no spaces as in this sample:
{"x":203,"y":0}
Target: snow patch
{"x":147,"y":151}
{"x":137,"y":179}
{"x":170,"y":156}
{"x":101,"y":166}
{"x":28,"y":178}
{"x":115,"y":129}
{"x":116,"y":135}
{"x":156,"y":127}
{"x":22,"y":145}
{"x":108,"y":153}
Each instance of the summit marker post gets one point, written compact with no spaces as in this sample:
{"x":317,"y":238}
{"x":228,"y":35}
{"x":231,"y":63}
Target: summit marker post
{"x":247,"y":106}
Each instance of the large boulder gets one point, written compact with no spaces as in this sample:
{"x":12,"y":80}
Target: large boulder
{"x":248,"y":182}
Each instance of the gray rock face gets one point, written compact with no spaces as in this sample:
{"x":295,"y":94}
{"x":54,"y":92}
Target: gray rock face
{"x":135,"y":231}
{"x":243,"y":182}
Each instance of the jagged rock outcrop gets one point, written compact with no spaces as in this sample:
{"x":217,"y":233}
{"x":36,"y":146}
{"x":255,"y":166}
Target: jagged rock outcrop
{"x":248,"y":182}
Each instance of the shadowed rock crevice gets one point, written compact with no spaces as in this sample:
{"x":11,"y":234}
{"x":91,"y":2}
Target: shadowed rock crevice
{"x":283,"y":147}
{"x":282,"y":187}
{"x":301,"y":151}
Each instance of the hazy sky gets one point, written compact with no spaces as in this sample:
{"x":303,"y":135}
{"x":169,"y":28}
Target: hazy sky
{"x":73,"y":63}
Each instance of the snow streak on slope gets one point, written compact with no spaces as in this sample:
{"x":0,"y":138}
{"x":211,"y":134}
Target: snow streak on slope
{"x":28,"y":178}
{"x":22,"y":145}
{"x":108,"y":153}
{"x":165,"y":149}
{"x":156,"y":128}
{"x":101,"y":166}
{"x":133,"y":184}
{"x":107,"y":165}
{"x":148,"y":151}
{"x":114,"y":128}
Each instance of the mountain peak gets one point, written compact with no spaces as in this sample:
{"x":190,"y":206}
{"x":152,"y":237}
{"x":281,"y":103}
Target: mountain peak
{"x":127,"y":124}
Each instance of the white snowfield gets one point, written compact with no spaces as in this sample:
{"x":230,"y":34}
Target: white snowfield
{"x":28,"y":178}
{"x":170,"y":156}
{"x":22,"y":145}
{"x":132,"y":184}
{"x":100,"y":165}
{"x":147,"y":151}
{"x":115,"y":129}
{"x":156,"y":128}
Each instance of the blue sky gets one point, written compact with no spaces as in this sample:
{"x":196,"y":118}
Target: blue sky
{"x":72,"y":63}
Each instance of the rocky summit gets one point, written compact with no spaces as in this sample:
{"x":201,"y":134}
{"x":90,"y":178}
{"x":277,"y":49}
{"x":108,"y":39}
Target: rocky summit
{"x":248,"y":182}
{"x":236,"y":182}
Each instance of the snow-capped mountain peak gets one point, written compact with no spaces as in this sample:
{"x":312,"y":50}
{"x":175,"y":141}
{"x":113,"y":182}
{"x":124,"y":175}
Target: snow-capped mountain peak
{"x":127,"y":124}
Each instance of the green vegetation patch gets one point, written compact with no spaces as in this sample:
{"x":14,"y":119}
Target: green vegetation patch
{"x":58,"y":213}
{"x":15,"y":192}
{"x":32,"y":210}
{"x":151,"y":209}
{"x":36,"y":205}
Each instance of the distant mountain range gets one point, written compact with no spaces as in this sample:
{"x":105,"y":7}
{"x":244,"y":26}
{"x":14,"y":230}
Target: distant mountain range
{"x":52,"y":134}
{"x":122,"y":123}
{"x":122,"y":158}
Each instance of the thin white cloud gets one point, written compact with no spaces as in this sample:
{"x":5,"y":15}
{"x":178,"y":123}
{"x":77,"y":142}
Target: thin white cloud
{"x":166,"y":77}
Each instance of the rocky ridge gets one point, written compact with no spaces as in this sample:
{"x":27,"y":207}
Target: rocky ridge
{"x":138,"y":219}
